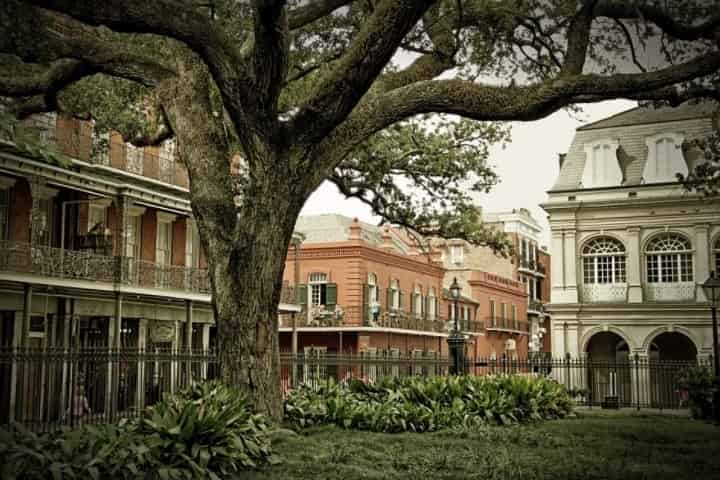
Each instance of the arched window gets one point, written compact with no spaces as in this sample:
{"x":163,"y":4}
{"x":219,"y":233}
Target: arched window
{"x":716,"y":251}
{"x":318,"y":288}
{"x":669,"y":259}
{"x":603,"y":261}
{"x":417,"y":301}
{"x":432,"y":304}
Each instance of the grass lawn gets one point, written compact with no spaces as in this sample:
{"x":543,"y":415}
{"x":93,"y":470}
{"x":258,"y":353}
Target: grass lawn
{"x":590,"y":446}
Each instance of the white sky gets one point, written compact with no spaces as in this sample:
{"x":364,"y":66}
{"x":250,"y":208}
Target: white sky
{"x":527,"y":167}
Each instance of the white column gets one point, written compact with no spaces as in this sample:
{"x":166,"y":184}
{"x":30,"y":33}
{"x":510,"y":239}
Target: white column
{"x":633,"y":265}
{"x":557,"y":267}
{"x":142,"y":344}
{"x":570,"y":261}
{"x":702,"y":259}
{"x":206,"y":348}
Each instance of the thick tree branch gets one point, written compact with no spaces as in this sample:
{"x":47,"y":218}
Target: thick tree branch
{"x":44,"y":78}
{"x":483,"y":102}
{"x":312,"y":11}
{"x":355,"y":72}
{"x":660,"y":17}
{"x":270,"y":57}
{"x":578,"y":37}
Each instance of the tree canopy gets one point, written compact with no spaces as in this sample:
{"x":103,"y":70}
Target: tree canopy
{"x":394,"y":101}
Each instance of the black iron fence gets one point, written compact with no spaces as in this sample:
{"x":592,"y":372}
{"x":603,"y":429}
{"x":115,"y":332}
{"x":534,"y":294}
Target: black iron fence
{"x":48,"y":388}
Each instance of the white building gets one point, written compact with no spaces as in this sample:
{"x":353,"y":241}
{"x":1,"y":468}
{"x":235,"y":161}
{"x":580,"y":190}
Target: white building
{"x":630,"y":247}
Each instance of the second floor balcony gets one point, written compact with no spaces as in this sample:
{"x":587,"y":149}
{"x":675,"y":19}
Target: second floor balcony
{"x":86,"y":265}
{"x":319,"y":317}
{"x":509,"y":325}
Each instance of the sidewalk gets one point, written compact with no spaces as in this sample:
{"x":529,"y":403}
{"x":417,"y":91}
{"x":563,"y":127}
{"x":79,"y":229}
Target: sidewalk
{"x":625,"y":411}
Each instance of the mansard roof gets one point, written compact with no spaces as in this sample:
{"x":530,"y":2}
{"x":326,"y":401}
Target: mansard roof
{"x":630,"y":129}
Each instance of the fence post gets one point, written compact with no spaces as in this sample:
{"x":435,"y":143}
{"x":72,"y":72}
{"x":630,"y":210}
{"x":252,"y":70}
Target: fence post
{"x":637,"y":382}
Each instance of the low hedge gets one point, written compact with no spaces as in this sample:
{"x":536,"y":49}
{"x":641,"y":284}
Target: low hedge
{"x":208,"y":431}
{"x":421,"y":404}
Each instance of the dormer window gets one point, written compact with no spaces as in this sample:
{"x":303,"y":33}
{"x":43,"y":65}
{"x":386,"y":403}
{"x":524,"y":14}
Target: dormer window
{"x":602,"y":168}
{"x":665,"y":158}
{"x":456,"y":254}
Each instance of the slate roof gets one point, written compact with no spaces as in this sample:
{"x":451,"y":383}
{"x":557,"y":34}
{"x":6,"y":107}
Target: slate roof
{"x":630,"y":129}
{"x":332,"y":227}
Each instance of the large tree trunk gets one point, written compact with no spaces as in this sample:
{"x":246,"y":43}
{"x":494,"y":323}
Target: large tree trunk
{"x":247,"y":283}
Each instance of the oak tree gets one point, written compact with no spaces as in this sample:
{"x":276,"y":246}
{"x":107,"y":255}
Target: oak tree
{"x":394,"y":101}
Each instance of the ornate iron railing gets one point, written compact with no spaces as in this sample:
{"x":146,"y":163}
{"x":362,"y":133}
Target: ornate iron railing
{"x":507,"y":325}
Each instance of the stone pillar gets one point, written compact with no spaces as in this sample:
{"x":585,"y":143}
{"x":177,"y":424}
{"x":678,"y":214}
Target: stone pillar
{"x":633,"y":265}
{"x":702,"y":259}
{"x":570,"y":267}
{"x":557,"y":266}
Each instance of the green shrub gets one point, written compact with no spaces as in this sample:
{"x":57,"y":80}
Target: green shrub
{"x":699,"y":383}
{"x":422,"y":404}
{"x":208,"y":431}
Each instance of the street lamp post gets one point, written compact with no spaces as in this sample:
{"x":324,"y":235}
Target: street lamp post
{"x":456,"y":340}
{"x":711,"y":287}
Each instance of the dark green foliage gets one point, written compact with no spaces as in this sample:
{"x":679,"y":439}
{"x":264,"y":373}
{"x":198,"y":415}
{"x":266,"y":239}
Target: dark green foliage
{"x":699,"y":383}
{"x":420,"y":404}
{"x":208,"y":431}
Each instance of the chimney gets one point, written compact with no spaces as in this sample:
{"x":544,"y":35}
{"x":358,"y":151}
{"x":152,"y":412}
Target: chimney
{"x":355,"y":230}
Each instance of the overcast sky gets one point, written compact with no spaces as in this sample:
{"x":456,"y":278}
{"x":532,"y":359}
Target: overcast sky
{"x":527,"y":167}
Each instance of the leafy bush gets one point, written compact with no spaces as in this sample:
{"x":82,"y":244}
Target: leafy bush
{"x":422,"y":404}
{"x":208,"y":431}
{"x":699,"y":383}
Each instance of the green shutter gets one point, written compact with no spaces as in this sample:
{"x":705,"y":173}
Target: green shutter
{"x":366,"y":300}
{"x":412,"y":303}
{"x":400,"y":300}
{"x":331,"y":296}
{"x":388,"y":299}
{"x":302,"y":294}
{"x":426,"y":306}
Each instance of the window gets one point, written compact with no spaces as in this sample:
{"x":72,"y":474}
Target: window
{"x":132,"y":237}
{"x":601,"y":165}
{"x":492,"y":313}
{"x":96,"y":216}
{"x":394,"y":299}
{"x":503,"y":311}
{"x":456,"y":254}
{"x":101,"y":148}
{"x":665,"y":158}
{"x":669,"y":259}
{"x":603,"y":261}
{"x":163,"y":248}
{"x":134,"y":158}
{"x":167,"y":161}
{"x":318,"y":288}
{"x":716,"y":251}
{"x":4,"y":212}
{"x":417,"y":302}
{"x":192,"y":245}
{"x":431,"y":304}
{"x":372,"y":289}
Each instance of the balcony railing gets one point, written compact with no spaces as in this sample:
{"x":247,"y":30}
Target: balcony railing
{"x":670,"y":292}
{"x":535,"y":305}
{"x":507,"y":325}
{"x":604,"y":292}
{"x":85,"y":265}
{"x":322,"y":318}
{"x":531,"y":265}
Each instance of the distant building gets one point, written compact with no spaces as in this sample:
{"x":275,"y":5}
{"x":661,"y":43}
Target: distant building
{"x":529,"y":268}
{"x":630,"y":247}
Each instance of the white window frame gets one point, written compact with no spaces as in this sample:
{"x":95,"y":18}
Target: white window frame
{"x":599,"y":172}
{"x":604,"y":261}
{"x":395,"y":294}
{"x":456,"y":254}
{"x":5,"y":185}
{"x":675,"y":163}
{"x":671,"y":265}
{"x":432,"y":303}
{"x":317,"y":281}
{"x":134,"y":158}
{"x":417,"y":299}
{"x":164,"y":221}
{"x":192,"y":245}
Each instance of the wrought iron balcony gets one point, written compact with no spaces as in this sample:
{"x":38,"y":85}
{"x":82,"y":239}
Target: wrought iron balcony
{"x":535,"y":305}
{"x":507,"y":325}
{"x":670,"y":292}
{"x":68,"y":264}
{"x":604,"y":292}
{"x":531,"y":266}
